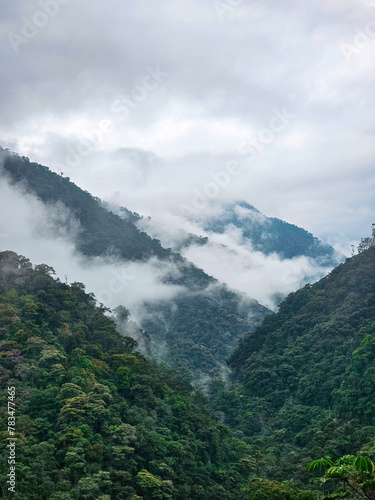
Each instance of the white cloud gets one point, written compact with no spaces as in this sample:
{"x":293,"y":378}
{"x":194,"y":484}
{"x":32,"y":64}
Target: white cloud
{"x":231,"y":259}
{"x":29,"y":229}
{"x":225,"y":79}
{"x":266,"y":278}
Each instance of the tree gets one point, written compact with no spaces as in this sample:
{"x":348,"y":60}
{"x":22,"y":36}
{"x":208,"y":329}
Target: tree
{"x":261,"y":489}
{"x":153,"y":487}
{"x":355,"y":473}
{"x":367,"y":242}
{"x":45,"y":269}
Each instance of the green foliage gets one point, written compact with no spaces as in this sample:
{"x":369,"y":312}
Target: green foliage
{"x":305,"y":378}
{"x":261,"y":489}
{"x":94,"y":419}
{"x":367,"y":242}
{"x":319,"y":464}
{"x":200,"y":327}
{"x":355,"y":474}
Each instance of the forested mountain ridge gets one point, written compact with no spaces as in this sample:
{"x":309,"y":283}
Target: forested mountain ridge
{"x":99,"y":229}
{"x":305,"y":378}
{"x":330,"y":317}
{"x":95,"y":420}
{"x":271,"y":235}
{"x":198,"y":329}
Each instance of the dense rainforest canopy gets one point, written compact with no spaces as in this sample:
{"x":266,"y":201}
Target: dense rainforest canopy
{"x":304,"y":380}
{"x":94,"y":418}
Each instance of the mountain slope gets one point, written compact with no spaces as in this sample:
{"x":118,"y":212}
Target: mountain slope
{"x":271,"y":235}
{"x":93,"y":418}
{"x":96,"y":420}
{"x":195,"y":331}
{"x":263,"y":257}
{"x":99,"y":228}
{"x":306,"y":375}
{"x":315,"y":332}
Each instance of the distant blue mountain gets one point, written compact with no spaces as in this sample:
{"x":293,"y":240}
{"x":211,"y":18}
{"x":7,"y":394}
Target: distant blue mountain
{"x":270,"y":235}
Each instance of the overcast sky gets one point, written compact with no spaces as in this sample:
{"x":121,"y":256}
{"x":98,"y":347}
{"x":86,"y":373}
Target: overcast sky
{"x":279,"y":94}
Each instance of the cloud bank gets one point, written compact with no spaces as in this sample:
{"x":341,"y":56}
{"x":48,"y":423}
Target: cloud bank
{"x":154,"y":98}
{"x":232,"y":260}
{"x":30,"y":229}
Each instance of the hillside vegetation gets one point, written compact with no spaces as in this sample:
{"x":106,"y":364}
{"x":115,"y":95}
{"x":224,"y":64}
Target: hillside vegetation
{"x":94,"y":418}
{"x":197,"y":330}
{"x":305,"y":379}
